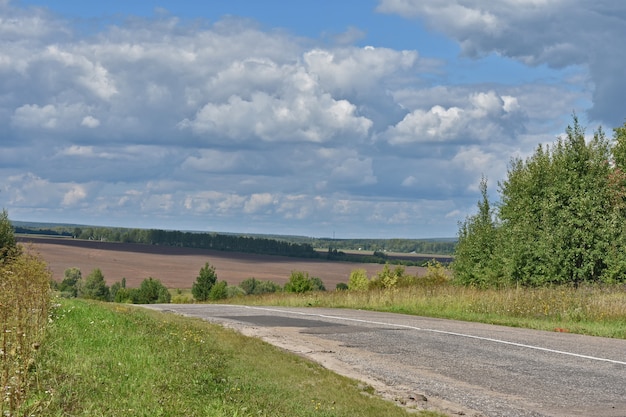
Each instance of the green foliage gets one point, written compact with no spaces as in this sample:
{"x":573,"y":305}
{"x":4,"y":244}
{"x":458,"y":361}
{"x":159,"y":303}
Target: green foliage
{"x":69,"y":286}
{"x":358,"y":280}
{"x":436,"y":274}
{"x":207,"y":277}
{"x":113,"y":360}
{"x":341,"y":286}
{"x":300,"y":282}
{"x":475,"y":261}
{"x":94,"y":287}
{"x":387,"y":278}
{"x":152,"y":291}
{"x":219,"y":291}
{"x":253,"y":286}
{"x":561,"y":218}
{"x":8,"y":246}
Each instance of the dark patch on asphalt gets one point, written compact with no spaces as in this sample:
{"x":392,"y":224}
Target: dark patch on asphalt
{"x":272,"y":321}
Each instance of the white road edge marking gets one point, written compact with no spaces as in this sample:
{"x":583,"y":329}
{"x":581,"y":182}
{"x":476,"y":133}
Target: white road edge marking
{"x":404,"y":326}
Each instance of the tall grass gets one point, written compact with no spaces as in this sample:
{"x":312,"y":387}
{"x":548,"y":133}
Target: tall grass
{"x":593,"y":310}
{"x":24,"y":302}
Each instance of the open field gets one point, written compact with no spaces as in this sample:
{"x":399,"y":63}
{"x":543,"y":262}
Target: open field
{"x":179,"y":267}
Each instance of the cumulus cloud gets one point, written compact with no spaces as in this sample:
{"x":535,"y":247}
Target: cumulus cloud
{"x":555,"y":33}
{"x":486,"y":116}
{"x":227,"y":126}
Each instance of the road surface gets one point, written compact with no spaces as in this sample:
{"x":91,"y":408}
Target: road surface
{"x":457,"y":367}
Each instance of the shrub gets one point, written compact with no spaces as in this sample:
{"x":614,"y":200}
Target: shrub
{"x":233,"y":291}
{"x":436,"y":274}
{"x":94,"y":287}
{"x":387,"y":278}
{"x":300,"y":282}
{"x":255,"y":286}
{"x":358,"y":280}
{"x":207,"y":277}
{"x":152,"y":291}
{"x":123,"y":295}
{"x":317,"y":284}
{"x":68,"y":287}
{"x":341,"y":286}
{"x":219,"y":291}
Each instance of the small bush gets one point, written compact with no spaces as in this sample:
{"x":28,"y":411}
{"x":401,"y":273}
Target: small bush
{"x":358,"y":280}
{"x":205,"y":280}
{"x":152,"y":291}
{"x":436,"y":274}
{"x":253,"y":286}
{"x":68,"y":287}
{"x":219,"y":291}
{"x":387,"y":279}
{"x":300,"y":282}
{"x":94,"y":287}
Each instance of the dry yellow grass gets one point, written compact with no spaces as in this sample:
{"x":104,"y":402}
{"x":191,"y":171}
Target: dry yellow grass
{"x":24,"y":301}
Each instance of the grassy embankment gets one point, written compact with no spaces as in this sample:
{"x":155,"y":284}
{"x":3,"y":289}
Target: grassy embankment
{"x":104,"y":359}
{"x":597,"y":311}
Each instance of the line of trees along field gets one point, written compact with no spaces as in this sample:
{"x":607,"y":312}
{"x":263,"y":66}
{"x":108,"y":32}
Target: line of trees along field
{"x":294,"y":246}
{"x":561,"y":218}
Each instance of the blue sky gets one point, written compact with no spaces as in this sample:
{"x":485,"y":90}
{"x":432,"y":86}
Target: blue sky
{"x":352,"y":118}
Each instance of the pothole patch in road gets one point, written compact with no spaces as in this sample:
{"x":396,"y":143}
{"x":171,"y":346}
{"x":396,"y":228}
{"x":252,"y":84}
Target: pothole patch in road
{"x":274,"y":321}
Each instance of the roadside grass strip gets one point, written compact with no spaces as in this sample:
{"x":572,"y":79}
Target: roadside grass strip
{"x":107,"y":360}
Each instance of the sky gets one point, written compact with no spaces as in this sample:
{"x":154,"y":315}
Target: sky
{"x":346,"y":119}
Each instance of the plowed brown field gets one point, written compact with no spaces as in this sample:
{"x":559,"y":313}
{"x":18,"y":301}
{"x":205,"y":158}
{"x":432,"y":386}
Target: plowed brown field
{"x":179,"y":267}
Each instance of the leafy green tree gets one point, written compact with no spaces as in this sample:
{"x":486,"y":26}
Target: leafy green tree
{"x":8,"y":245}
{"x":152,"y":291}
{"x":69,"y":285}
{"x":207,"y":277}
{"x":474,"y":257}
{"x":555,"y":212}
{"x":561,"y":218}
{"x":94,"y":287}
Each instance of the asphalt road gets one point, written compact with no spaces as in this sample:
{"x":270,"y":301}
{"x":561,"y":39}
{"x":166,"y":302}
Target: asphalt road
{"x":486,"y":370}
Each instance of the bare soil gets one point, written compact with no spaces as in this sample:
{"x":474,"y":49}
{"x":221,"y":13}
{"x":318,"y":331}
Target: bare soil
{"x":178,"y":267}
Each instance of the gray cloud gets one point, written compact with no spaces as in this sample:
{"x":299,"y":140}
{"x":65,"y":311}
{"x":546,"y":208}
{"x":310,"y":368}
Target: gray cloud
{"x":559,"y":34}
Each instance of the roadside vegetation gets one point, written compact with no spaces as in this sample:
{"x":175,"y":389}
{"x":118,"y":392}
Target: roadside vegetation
{"x":560,"y":220}
{"x":103,"y":359}
{"x":592,"y":309}
{"x":24,"y":302}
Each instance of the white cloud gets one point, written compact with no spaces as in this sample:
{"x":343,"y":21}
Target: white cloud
{"x":74,"y":195}
{"x":258,"y":202}
{"x":90,"y":121}
{"x":486,"y":116}
{"x":555,"y":33}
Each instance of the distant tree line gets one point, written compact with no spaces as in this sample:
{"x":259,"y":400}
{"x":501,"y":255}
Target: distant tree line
{"x":293,"y":246}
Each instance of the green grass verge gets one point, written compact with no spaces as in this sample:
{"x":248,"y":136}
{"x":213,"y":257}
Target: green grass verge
{"x":115,"y":360}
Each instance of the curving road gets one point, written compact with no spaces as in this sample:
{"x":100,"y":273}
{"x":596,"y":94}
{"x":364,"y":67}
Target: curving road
{"x":458,"y":367}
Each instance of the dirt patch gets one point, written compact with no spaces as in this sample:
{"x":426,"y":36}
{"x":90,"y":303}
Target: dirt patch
{"x":178,"y":267}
